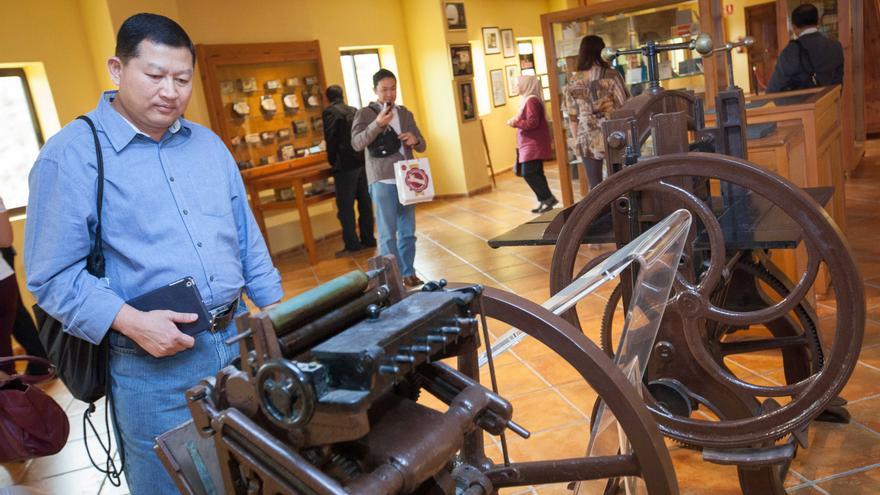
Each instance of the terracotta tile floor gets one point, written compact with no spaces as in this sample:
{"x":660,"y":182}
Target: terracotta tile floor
{"x":548,"y":397}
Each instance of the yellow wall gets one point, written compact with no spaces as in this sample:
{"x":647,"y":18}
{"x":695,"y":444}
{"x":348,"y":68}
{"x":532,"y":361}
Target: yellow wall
{"x":524,"y":17}
{"x":413,"y":29}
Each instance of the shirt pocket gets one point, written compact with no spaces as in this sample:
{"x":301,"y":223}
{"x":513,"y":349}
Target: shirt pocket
{"x":210,"y":191}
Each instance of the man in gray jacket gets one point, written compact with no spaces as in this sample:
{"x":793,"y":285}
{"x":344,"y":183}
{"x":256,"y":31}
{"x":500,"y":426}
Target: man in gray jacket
{"x":389,"y":133}
{"x":809,"y":61}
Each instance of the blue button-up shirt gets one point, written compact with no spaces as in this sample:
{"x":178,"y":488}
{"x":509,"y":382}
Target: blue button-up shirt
{"x":171,"y":209}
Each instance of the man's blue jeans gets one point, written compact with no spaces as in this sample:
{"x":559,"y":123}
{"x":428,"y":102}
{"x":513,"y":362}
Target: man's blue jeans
{"x":397,"y":226}
{"x":148,"y":396}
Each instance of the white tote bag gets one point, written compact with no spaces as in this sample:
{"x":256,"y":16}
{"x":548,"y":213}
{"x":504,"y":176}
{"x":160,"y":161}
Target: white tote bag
{"x":414,"y":181}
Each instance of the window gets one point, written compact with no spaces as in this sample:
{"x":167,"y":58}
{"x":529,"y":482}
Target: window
{"x":20,"y":137}
{"x":358,"y":68}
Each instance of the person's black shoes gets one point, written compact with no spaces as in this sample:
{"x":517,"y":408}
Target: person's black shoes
{"x":348,"y":252}
{"x":369,"y":244}
{"x":546,"y":205}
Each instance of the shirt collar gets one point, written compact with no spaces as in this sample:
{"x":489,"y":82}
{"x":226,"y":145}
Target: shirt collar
{"x":120,"y":131}
{"x":809,"y":30}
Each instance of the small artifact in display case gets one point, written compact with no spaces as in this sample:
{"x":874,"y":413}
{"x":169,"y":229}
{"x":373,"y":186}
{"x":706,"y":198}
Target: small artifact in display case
{"x":283,"y":134}
{"x":690,"y":66}
{"x":272,"y":84}
{"x":267,"y":105}
{"x":300,"y":128}
{"x":236,"y":141}
{"x":267,"y":136}
{"x":312,"y":95}
{"x":311,"y":80}
{"x":245,"y":165}
{"x":227,"y":87}
{"x":241,"y":109}
{"x":290,"y":102}
{"x":301,"y":152}
{"x":286,"y":152}
{"x":265,"y":160}
{"x":318,"y":124}
{"x":285,"y":194}
{"x":317,"y":147}
{"x":252,"y":138}
{"x":666,"y":70}
{"x":291,"y":82}
{"x":248,"y":84}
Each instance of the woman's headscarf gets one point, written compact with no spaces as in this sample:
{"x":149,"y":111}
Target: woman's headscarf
{"x":528,"y":86}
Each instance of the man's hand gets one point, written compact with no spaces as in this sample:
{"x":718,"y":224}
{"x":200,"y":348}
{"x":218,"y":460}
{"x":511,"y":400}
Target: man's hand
{"x":408,"y":138}
{"x":384,"y":117}
{"x":155,"y":331}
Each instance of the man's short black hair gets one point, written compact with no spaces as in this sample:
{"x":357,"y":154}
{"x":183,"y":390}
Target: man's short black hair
{"x":334,"y":93}
{"x":382,"y":74}
{"x":156,"y":28}
{"x":805,"y":15}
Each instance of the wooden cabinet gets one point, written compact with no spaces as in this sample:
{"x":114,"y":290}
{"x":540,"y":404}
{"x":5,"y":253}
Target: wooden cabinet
{"x":265,"y":101}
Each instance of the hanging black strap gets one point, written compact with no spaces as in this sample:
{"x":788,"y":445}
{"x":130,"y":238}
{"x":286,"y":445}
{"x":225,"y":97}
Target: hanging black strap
{"x":803,"y":53}
{"x":95,"y":266}
{"x":95,"y":261}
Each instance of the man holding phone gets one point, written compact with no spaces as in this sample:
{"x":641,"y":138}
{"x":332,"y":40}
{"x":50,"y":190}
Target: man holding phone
{"x":174,"y":206}
{"x":389,"y":134}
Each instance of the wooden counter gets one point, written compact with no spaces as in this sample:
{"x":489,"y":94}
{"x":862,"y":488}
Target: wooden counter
{"x":294,"y":174}
{"x":817,"y":113}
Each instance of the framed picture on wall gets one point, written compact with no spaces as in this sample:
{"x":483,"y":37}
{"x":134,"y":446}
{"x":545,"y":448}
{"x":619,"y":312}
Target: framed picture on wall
{"x":545,"y":80}
{"x":462,"y":61}
{"x":546,"y":93}
{"x":512,"y":76}
{"x":455,"y":20}
{"x":508,"y":44}
{"x":466,"y":102}
{"x":491,"y":40}
{"x":496,"y":80}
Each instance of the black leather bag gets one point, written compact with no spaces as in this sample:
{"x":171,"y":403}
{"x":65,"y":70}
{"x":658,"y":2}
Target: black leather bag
{"x":386,"y":143}
{"x":81,"y":365}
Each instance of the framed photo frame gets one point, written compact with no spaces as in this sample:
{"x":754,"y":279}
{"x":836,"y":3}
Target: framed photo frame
{"x":546,"y":93}
{"x":508,"y":43}
{"x":545,"y":80}
{"x":455,"y":19}
{"x":496,"y":82}
{"x":512,"y":72}
{"x":467,"y":105}
{"x":462,"y":61}
{"x":491,"y":40}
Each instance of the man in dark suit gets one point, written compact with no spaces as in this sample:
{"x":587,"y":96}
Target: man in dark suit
{"x":811,"y":59}
{"x":348,"y":173}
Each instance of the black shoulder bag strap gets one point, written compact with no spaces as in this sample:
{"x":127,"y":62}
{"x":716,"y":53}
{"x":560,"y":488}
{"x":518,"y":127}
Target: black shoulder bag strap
{"x":802,"y":52}
{"x":95,"y":266}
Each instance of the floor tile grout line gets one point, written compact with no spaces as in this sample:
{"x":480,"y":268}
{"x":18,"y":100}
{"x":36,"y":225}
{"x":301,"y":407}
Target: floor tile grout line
{"x":518,"y":256}
{"x":847,"y":473}
{"x":869,"y":397}
{"x":868,"y":365}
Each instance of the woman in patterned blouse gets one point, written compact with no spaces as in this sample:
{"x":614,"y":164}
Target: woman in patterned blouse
{"x":592,"y":93}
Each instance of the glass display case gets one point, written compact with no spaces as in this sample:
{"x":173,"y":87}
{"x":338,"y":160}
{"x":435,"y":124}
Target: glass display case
{"x":265,"y":101}
{"x":624,"y":25}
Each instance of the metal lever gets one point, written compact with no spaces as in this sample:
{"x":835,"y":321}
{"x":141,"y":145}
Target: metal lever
{"x":702,"y":44}
{"x":728,"y":47}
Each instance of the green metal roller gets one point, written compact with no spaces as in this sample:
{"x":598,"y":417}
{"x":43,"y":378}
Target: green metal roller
{"x":299,"y":309}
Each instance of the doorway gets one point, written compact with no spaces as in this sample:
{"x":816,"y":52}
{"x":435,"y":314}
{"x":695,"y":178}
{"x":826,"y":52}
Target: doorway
{"x":761,"y":25}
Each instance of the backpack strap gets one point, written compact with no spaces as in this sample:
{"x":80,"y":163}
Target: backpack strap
{"x":803,"y":53}
{"x":95,"y":261}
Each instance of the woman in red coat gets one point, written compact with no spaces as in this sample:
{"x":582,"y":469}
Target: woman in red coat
{"x":533,"y":141}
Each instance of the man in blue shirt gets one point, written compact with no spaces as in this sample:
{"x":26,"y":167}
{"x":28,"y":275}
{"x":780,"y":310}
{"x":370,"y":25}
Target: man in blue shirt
{"x":174,"y":206}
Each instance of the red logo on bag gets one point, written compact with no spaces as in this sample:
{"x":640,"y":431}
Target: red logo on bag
{"x":416,"y":179}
